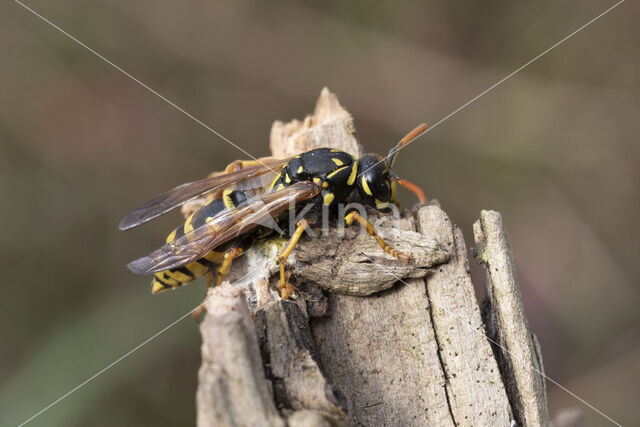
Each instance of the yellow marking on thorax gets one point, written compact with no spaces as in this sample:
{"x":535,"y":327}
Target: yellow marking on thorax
{"x":226,"y":199}
{"x":328,"y":198}
{"x":365,"y":186}
{"x":287,"y":178}
{"x":187,"y":225}
{"x":300,"y":169}
{"x":317,"y":181}
{"x":338,"y":162}
{"x":274,"y":182}
{"x":330,"y":175}
{"x":279,"y":187}
{"x":354,"y":172}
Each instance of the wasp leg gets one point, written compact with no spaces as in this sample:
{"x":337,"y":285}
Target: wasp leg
{"x":241,"y":164}
{"x":236,"y":166}
{"x":355,"y":216}
{"x":229,"y":256}
{"x":286,"y":289}
{"x":197,"y":313}
{"x":209,"y":281}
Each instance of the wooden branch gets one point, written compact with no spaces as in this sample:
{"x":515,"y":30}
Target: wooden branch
{"x":369,"y":340}
{"x":356,"y":265}
{"x":517,"y":348}
{"x":232,"y":386}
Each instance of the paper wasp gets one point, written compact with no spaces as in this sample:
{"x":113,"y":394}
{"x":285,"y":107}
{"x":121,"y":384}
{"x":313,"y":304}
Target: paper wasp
{"x":250,"y":195}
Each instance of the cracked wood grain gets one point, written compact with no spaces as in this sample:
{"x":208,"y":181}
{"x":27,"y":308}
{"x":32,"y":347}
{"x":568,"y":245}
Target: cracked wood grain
{"x":382,"y":353}
{"x":474,"y":387}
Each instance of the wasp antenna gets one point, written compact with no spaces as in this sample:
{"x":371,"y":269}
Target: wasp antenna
{"x":419,"y":130}
{"x":413,"y":134}
{"x":414,"y":188}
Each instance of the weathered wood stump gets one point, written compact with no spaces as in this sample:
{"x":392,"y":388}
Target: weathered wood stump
{"x":370,"y":340}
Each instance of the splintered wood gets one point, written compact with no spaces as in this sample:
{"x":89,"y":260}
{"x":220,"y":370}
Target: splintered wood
{"x":370,"y":340}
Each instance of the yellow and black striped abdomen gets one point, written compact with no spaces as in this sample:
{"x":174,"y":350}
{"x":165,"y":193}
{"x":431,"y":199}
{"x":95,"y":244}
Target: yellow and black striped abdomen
{"x":176,"y":277}
{"x":171,"y":279}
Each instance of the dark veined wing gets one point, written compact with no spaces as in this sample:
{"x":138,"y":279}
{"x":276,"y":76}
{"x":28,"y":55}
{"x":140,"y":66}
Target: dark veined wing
{"x":257,"y":211}
{"x":249,"y":177}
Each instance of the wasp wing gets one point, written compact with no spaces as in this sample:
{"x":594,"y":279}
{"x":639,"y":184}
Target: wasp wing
{"x":257,"y":211}
{"x":250,"y":177}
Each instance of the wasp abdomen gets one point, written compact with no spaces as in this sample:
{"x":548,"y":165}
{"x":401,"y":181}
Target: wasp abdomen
{"x":176,"y":277}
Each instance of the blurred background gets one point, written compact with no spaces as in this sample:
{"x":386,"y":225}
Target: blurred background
{"x":555,"y":149}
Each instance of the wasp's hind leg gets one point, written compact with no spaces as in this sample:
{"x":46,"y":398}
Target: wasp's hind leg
{"x":355,"y":216}
{"x":223,"y":270}
{"x":229,"y":256}
{"x":241,"y":164}
{"x":197,"y":313}
{"x":285,"y":288}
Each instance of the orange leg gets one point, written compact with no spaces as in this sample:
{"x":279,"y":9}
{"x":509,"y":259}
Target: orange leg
{"x":197,"y":313}
{"x":234,"y":167}
{"x":285,"y":288}
{"x":241,"y":164}
{"x":355,"y":216}
{"x":224,"y":269}
{"x":229,"y":256}
{"x":209,"y":282}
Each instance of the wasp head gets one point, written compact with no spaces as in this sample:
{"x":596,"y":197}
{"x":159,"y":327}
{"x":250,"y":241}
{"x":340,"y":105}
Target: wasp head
{"x":374,"y":181}
{"x":377,"y":184}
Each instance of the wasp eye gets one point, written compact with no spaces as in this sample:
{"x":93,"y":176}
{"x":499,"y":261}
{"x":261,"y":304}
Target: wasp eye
{"x":373,"y":181}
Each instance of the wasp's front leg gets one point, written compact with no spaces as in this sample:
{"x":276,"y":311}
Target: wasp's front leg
{"x":355,"y":216}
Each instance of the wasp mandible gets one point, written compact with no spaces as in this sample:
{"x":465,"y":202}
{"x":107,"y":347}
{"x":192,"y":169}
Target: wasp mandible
{"x":249,"y":195}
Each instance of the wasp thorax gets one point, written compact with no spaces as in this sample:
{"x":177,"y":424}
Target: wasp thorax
{"x":334,"y":171}
{"x":374,"y":185}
